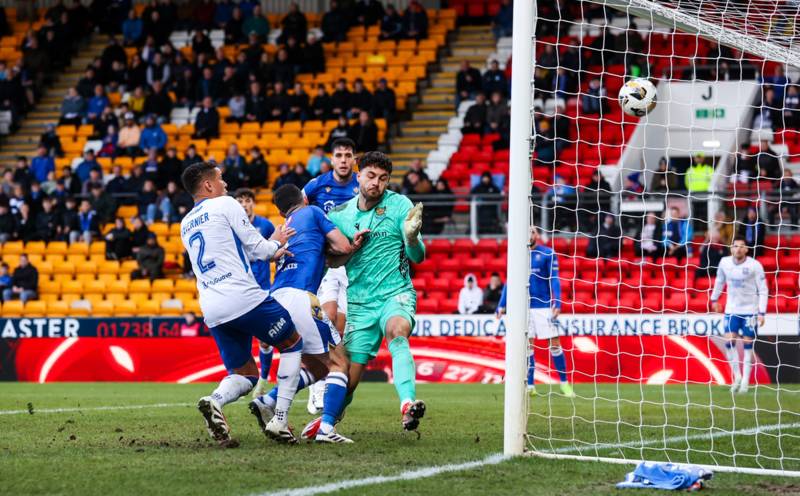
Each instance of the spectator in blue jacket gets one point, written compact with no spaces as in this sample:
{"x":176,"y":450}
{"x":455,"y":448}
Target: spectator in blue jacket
{"x":97,"y":103}
{"x":87,"y":166}
{"x":152,"y":135}
{"x":131,"y":29}
{"x":502,"y":23}
{"x":41,"y":165}
{"x":677,"y":235}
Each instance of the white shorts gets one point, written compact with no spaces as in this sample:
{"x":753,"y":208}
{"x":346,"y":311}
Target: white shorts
{"x":334,"y":288}
{"x":540,"y":324}
{"x":310,"y":321}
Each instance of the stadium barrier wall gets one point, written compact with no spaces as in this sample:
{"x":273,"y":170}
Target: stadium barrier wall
{"x":447,"y":348}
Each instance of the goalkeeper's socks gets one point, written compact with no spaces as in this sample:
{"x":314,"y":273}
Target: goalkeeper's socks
{"x":288,"y":378}
{"x":233,"y":387}
{"x":531,"y":369}
{"x":334,"y":400}
{"x":748,"y":363}
{"x":265,"y":361}
{"x":560,"y":361}
{"x":403,"y":369}
{"x":732,"y":354}
{"x":306,"y":379}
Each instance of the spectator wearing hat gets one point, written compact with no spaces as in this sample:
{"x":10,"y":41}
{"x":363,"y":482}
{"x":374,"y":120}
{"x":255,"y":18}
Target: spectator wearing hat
{"x":129,"y":137}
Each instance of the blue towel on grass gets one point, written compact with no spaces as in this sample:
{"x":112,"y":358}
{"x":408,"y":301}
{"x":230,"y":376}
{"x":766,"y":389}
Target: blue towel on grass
{"x":668,"y":476}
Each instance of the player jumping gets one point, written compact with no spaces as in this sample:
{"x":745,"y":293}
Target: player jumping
{"x":381,"y":301}
{"x":221,"y":241}
{"x":261,"y":271}
{"x":747,"y":296}
{"x":327,"y":192}
{"x":544,"y":295}
{"x":297,"y":278}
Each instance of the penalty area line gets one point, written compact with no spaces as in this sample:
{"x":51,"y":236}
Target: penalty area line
{"x":93,"y":408}
{"x":383,"y":479}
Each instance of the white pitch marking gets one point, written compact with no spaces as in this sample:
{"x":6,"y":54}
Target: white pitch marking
{"x":382,"y":479}
{"x":94,"y":408}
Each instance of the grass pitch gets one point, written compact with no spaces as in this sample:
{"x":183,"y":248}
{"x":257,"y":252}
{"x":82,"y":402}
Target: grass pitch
{"x":164,"y":449}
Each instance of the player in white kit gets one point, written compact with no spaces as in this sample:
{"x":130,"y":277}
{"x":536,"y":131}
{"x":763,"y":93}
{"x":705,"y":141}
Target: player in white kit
{"x":222,"y":243}
{"x":744,"y":310}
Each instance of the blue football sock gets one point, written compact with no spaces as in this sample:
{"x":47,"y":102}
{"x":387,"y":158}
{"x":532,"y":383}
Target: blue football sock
{"x":531,"y":368}
{"x":265,"y":361}
{"x":335,"y":393}
{"x":560,"y":361}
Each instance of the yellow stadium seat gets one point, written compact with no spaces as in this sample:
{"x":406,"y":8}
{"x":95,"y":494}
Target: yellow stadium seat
{"x":139,"y":286}
{"x":118,"y":287}
{"x":35,"y":308}
{"x":44,"y":268}
{"x":272,"y":127}
{"x":12,"y":309}
{"x":86,"y":268}
{"x":185,"y":296}
{"x":84,"y":278}
{"x":192,"y":306}
{"x":35,"y":248}
{"x":108,"y":267}
{"x":66,"y":268}
{"x":49,"y":287}
{"x":54,"y":258}
{"x":72,"y":287}
{"x":125,"y":308}
{"x":61,"y":277}
{"x":103,"y":309}
{"x":98,"y":259}
{"x":13,"y":248}
{"x":116,"y":297}
{"x":50,"y":297}
{"x":97,"y":248}
{"x":128,"y":266}
{"x":107,"y":278}
{"x":76,"y":259}
{"x":163,"y":285}
{"x":94,"y":287}
{"x":159,"y":229}
{"x":85,"y":130}
{"x":250,"y":128}
{"x":160,"y":296}
{"x":138,"y":297}
{"x":65,"y":131}
{"x":149,"y":307}
{"x":170,"y":311}
{"x":78,"y":248}
{"x":79,"y":310}
{"x":57,"y":308}
{"x":127,"y":211}
{"x":93,"y":298}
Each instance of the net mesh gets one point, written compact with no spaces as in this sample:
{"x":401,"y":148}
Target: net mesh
{"x":638,"y":213}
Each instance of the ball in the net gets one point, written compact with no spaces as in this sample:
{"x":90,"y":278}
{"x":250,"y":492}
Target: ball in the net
{"x":637,"y":97}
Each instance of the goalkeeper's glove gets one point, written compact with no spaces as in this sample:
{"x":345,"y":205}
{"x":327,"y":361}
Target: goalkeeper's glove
{"x":413,"y":224}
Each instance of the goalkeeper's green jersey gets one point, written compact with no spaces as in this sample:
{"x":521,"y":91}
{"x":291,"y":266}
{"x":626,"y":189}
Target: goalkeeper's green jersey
{"x":380,"y":269}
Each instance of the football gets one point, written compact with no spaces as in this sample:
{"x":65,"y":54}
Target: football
{"x":637,"y":97}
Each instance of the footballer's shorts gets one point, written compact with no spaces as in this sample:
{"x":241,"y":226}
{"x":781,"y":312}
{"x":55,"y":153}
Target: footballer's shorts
{"x":268,"y":321}
{"x":742,"y":325}
{"x":366,"y":324}
{"x":334,"y":288}
{"x":311,"y":322}
{"x":540,"y":324}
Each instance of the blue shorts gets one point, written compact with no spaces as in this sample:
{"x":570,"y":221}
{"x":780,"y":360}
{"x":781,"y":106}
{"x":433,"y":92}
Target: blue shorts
{"x":743,"y":325}
{"x":269,"y":322}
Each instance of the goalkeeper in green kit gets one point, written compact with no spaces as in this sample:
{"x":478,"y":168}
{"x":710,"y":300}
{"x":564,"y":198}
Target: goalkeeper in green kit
{"x":381,"y":301}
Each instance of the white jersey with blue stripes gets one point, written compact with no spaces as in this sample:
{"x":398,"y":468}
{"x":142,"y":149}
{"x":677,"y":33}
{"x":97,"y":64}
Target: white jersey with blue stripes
{"x":221,"y":243}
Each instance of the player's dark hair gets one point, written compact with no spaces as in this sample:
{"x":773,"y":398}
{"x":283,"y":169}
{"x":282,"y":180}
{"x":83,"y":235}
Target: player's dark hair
{"x":375,"y":159}
{"x":287,"y":197}
{"x":195,"y":174}
{"x":739,"y":238}
{"x":343,"y":143}
{"x":244,"y":192}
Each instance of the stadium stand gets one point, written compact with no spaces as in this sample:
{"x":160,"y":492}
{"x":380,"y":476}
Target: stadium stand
{"x":75,"y":251}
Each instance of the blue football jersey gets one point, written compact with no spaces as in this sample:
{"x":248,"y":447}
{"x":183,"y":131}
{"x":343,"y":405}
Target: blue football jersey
{"x":261,"y":267}
{"x":544,"y":286}
{"x":327,"y":193}
{"x":304,"y":269}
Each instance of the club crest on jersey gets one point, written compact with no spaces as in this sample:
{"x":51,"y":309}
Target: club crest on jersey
{"x":355,"y":190}
{"x":380,"y":211}
{"x":327,"y":189}
{"x":745,"y":271}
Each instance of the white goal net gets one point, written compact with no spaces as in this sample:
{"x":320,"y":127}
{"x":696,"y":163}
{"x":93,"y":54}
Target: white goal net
{"x":634,"y":357}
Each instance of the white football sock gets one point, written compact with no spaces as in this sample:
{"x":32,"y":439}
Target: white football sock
{"x":733,"y":360}
{"x":288,"y":377}
{"x":231,"y":388}
{"x":748,"y":363}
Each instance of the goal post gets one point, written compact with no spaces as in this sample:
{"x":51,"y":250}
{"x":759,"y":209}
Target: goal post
{"x":519,"y":181}
{"x":648,"y":358}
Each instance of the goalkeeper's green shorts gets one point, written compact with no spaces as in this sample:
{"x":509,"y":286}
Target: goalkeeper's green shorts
{"x":366,"y":324}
